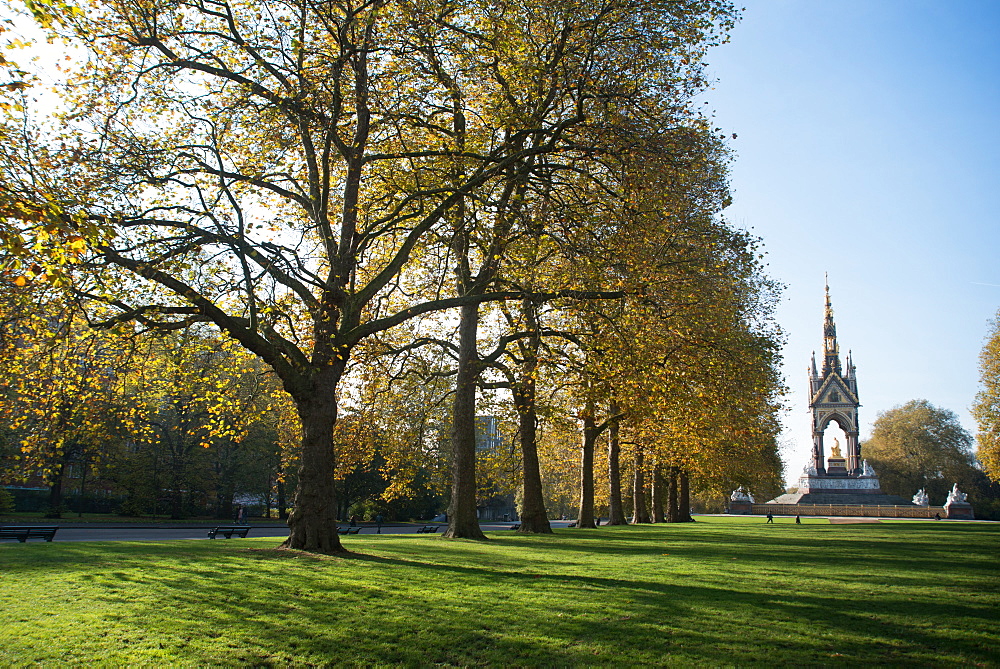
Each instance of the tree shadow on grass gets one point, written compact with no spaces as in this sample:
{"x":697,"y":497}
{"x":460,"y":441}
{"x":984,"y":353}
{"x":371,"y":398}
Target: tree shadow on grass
{"x":424,"y":600}
{"x":413,"y":610}
{"x":925,"y":550}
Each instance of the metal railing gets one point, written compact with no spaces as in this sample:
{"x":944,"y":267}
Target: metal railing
{"x":863,"y":510}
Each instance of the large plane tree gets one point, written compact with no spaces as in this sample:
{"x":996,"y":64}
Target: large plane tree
{"x":303,"y":174}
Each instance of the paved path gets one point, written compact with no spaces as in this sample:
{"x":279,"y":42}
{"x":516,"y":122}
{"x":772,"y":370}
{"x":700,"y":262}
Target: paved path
{"x":141,"y":532}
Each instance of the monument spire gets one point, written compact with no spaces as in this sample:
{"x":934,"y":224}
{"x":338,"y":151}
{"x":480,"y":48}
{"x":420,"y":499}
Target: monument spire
{"x":831,"y":350}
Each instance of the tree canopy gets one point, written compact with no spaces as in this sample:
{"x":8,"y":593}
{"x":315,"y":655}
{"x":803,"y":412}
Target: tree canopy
{"x":986,"y":408}
{"x":918,"y":445}
{"x":307,"y":180}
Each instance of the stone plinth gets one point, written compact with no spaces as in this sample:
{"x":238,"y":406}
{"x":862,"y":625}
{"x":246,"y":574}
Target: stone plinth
{"x":842,"y":489}
{"x":861,"y":485}
{"x":741,"y":507}
{"x":959,"y":511}
{"x":836,"y":467}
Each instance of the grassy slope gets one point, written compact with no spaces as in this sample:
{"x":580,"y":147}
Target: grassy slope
{"x":721,"y":591}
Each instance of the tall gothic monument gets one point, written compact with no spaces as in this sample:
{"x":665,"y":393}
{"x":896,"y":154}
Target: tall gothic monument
{"x":833,"y":397}
{"x":842,"y":477}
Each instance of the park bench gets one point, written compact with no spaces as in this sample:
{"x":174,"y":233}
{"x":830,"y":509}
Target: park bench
{"x":229,"y":530}
{"x":515,"y":526}
{"x":427,"y":529}
{"x":25,"y":532}
{"x":349,"y":530}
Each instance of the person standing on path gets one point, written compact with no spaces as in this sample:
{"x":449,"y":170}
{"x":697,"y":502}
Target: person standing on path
{"x":378,"y":523}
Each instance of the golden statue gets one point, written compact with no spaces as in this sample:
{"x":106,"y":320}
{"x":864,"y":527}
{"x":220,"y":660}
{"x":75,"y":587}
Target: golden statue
{"x":835,"y":451}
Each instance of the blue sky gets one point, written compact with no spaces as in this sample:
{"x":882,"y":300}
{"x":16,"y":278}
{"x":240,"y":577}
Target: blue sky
{"x":869,"y":147}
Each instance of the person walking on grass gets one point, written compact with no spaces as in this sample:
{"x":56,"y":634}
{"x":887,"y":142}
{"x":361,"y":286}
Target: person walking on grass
{"x":770,"y":518}
{"x":798,"y":521}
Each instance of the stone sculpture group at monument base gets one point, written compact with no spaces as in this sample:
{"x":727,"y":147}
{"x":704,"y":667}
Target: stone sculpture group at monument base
{"x":846,"y":483}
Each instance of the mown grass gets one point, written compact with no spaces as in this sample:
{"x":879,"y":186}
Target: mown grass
{"x":723,"y":591}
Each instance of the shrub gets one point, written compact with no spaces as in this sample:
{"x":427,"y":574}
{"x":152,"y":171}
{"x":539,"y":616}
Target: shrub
{"x":6,"y":501}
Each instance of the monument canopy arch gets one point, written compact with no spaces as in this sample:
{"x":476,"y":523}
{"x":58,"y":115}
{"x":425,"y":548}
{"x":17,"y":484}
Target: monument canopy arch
{"x":843,"y":422}
{"x":834,"y":398}
{"x":843,"y":481}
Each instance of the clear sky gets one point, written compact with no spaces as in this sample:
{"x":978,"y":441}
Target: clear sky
{"x":869,"y":147}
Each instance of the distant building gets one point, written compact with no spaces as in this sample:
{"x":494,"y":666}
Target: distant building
{"x":842,"y":478}
{"x":490,"y":438}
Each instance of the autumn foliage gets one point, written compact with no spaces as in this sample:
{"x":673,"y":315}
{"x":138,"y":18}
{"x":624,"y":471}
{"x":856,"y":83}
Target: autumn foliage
{"x":388,"y":213}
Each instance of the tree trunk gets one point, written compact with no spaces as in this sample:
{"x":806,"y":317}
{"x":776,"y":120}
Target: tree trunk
{"x":585,"y":515}
{"x":657,"y":496}
{"x":176,"y":488}
{"x":282,"y":501}
{"x":534,"y":519}
{"x":640,"y":513}
{"x":55,"y":493}
{"x":685,"y":499}
{"x":673,"y":511}
{"x":225,"y":500}
{"x":312,"y":523}
{"x":462,"y":520}
{"x":268,"y":499}
{"x":616,"y":510}
{"x":83,"y":488}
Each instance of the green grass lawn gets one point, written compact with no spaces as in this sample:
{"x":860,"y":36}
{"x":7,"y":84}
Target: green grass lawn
{"x":723,"y":591}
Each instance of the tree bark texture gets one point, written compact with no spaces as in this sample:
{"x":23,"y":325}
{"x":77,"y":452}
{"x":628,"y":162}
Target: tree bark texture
{"x":462,"y":520}
{"x":685,"y":498}
{"x":312,"y":523}
{"x":534,"y":519}
{"x":83,"y":488}
{"x":282,"y":503}
{"x":616,"y":510}
{"x":640,"y":514}
{"x":673,"y":511}
{"x":657,"y":495}
{"x":55,"y":493}
{"x":585,"y":515}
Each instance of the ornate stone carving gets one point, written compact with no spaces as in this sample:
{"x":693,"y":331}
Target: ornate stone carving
{"x":833,"y":397}
{"x":867,"y":469}
{"x":920,"y":499}
{"x":956,"y":497}
{"x":819,"y":483}
{"x":741,"y":495}
{"x":835,"y":450}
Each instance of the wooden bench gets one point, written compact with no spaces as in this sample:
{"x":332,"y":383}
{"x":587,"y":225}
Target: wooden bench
{"x":25,"y":532}
{"x":229,"y":530}
{"x":428,"y":529}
